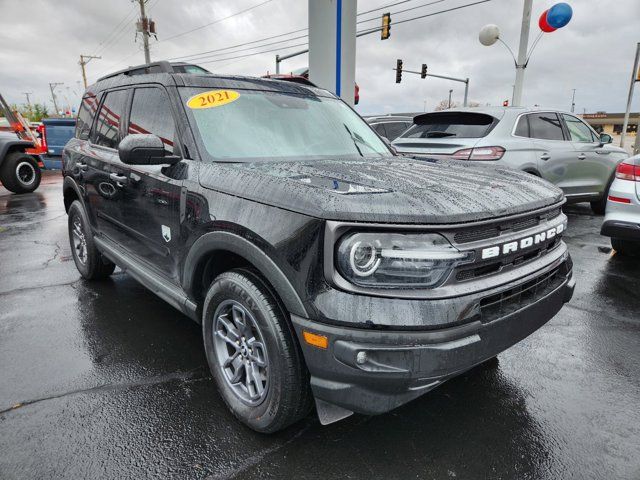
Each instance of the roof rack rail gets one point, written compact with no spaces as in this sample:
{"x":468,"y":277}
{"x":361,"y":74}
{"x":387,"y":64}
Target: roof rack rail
{"x":157,"y":67}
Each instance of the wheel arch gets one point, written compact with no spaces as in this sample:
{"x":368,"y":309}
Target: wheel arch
{"x":10,"y":145}
{"x":532,"y":171}
{"x":70,"y":191}
{"x":226,"y":250}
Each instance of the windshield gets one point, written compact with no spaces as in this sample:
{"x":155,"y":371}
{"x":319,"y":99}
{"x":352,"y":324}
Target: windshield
{"x":243,"y":125}
{"x":451,"y":124}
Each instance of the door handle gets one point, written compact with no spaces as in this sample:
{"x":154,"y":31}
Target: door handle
{"x":119,"y":179}
{"x":545,"y":156}
{"x":582,"y":156}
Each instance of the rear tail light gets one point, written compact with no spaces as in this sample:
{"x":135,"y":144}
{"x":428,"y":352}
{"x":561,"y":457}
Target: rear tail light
{"x":479,"y":153}
{"x":43,"y":139}
{"x":626,"y":171}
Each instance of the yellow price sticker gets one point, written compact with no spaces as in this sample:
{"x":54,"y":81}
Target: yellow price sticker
{"x":212,"y":98}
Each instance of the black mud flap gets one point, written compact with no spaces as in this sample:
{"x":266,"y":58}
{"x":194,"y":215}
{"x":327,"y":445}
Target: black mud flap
{"x":330,"y":413}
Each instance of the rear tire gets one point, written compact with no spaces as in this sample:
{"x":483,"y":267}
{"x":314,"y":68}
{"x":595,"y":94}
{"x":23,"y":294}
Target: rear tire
{"x":253,"y":354}
{"x":20,"y":173}
{"x":91,"y":264}
{"x":628,"y":248}
{"x":599,"y":206}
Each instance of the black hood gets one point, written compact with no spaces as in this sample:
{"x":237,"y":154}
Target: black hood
{"x":390,"y":190}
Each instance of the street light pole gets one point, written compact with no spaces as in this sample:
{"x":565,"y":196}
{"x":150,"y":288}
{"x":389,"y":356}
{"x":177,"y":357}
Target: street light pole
{"x":634,"y":79}
{"x":573,"y":101}
{"x":521,"y":64}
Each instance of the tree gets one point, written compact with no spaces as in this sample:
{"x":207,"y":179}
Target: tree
{"x":444,"y":105}
{"x":33,"y":113}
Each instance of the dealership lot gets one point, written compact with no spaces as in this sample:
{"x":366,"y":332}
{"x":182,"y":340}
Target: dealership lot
{"x":106,"y":380}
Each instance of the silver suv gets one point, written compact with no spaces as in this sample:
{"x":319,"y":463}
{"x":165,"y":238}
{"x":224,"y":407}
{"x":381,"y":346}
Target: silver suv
{"x":622,"y":221}
{"x":557,"y":146}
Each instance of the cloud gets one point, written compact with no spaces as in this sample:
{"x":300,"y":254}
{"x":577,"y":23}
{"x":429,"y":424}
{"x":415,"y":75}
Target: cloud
{"x":593,"y":54}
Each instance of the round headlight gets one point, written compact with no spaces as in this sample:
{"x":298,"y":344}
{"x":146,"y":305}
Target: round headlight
{"x":363,"y":259}
{"x":397,"y":260}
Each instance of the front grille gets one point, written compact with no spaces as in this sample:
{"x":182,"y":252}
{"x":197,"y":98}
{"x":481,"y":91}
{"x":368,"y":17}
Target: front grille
{"x":488,"y":268}
{"x":489,"y":231}
{"x":508,"y":301}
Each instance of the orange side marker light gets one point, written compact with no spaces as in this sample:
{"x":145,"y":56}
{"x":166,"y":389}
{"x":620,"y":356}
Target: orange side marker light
{"x":315,"y":340}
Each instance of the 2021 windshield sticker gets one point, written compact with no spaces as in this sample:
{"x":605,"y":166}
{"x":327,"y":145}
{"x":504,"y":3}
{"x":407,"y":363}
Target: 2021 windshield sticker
{"x":212,"y":98}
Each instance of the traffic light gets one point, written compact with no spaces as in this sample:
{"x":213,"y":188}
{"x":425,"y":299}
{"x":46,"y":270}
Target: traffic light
{"x":386,"y":26}
{"x":505,"y":103}
{"x":398,"y":70}
{"x":423,"y":72}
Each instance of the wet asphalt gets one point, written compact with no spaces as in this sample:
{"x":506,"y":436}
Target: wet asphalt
{"x":105,"y":380}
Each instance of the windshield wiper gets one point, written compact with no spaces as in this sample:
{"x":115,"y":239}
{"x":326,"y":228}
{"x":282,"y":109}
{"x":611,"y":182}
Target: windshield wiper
{"x":439,"y":134}
{"x":355,"y":140}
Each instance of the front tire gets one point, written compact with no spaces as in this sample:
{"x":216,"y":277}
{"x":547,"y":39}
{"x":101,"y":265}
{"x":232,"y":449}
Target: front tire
{"x":628,"y":248}
{"x":20,"y":173}
{"x":91,"y":264}
{"x":253,"y":354}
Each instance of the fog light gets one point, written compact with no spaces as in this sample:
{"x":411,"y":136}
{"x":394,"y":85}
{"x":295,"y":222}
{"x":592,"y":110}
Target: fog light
{"x":361,"y":358}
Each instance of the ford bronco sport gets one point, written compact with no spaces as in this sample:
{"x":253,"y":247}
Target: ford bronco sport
{"x":323,"y":268}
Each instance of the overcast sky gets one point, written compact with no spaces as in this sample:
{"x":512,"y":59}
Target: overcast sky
{"x":43,"y":39}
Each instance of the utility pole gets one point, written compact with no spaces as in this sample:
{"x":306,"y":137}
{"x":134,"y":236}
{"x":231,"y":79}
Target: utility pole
{"x":634,"y":78}
{"x":53,"y":95}
{"x":26,"y":94}
{"x":521,"y":64}
{"x":450,"y":92}
{"x":573,"y":101}
{"x":143,"y":26}
{"x":84,"y":59}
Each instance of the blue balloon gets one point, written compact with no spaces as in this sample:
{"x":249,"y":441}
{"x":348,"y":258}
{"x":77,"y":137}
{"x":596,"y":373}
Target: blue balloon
{"x":559,"y":15}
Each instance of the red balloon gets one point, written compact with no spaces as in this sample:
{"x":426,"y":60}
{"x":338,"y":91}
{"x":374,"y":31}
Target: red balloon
{"x":544,"y":25}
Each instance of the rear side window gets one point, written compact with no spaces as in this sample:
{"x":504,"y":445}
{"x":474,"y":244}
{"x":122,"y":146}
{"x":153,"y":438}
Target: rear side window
{"x":380,"y":130}
{"x":545,"y":126}
{"x":395,"y":129}
{"x":578,"y":130}
{"x":522,"y":129}
{"x":86,"y":114}
{"x":451,"y":124}
{"x":106,"y":130}
{"x":151,"y":113}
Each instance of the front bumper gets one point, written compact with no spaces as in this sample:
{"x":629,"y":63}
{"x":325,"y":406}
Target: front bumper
{"x":373,"y":371}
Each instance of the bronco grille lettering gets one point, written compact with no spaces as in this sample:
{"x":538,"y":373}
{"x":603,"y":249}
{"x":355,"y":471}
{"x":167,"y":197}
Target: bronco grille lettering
{"x":521,"y":244}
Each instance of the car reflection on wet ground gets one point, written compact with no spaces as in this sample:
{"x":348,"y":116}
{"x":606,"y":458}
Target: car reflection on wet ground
{"x":105,"y":380}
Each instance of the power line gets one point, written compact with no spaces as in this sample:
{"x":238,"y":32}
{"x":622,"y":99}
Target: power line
{"x":114,"y":29}
{"x":402,"y":11}
{"x":216,"y":21}
{"x":255,"y":53}
{"x":198,"y":54}
{"x":357,"y":33}
{"x":195,"y":59}
{"x":241,"y":44}
{"x":384,"y":7}
{"x":119,"y":33}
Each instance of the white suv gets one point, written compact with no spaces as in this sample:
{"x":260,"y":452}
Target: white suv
{"x":622,"y":219}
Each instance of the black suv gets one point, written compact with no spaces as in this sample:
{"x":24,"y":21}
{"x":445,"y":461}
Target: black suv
{"x":321,"y":266}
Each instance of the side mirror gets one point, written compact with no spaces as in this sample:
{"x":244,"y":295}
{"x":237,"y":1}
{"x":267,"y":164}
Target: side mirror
{"x":605,"y":138}
{"x":144,"y":149}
